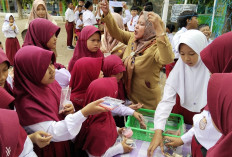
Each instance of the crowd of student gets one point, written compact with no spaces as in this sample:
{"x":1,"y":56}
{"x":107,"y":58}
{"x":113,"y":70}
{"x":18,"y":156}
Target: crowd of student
{"x":122,"y":61}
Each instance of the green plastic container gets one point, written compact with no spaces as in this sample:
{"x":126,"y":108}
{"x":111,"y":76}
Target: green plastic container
{"x":175,"y":123}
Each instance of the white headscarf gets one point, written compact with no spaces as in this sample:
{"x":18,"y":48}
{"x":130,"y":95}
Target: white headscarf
{"x":191,"y":83}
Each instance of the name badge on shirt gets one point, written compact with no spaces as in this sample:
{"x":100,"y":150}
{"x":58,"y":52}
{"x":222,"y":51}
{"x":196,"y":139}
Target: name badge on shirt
{"x":203,"y":123}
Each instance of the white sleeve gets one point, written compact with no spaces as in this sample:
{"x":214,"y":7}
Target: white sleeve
{"x":187,"y":137}
{"x":28,"y":149}
{"x":164,"y":108}
{"x":66,"y":14}
{"x":64,"y":130}
{"x":93,"y":19}
{"x":6,"y":28}
{"x":123,"y":110}
{"x":127,"y":16}
{"x":114,"y":150}
{"x":16,"y":29}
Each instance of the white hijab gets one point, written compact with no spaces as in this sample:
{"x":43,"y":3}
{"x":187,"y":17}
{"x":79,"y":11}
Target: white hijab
{"x":191,"y":83}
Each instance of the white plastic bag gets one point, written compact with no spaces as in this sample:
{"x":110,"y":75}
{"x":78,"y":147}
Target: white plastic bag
{"x":64,"y":98}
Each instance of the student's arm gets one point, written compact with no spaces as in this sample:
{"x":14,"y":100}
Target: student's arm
{"x":127,"y":17}
{"x":16,"y":29}
{"x":6,"y":28}
{"x":163,"y":111}
{"x":64,"y":130}
{"x":123,"y":110}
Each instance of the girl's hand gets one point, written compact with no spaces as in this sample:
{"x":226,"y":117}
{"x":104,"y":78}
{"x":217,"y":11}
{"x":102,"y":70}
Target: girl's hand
{"x":126,"y":148}
{"x":120,"y":130}
{"x":68,"y":109}
{"x":174,"y":141}
{"x":104,"y":5}
{"x":40,"y":138}
{"x":136,"y":106}
{"x":157,"y":140}
{"x":93,"y":108}
{"x":138,"y":116}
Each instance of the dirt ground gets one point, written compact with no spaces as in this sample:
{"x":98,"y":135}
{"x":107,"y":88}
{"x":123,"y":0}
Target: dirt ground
{"x":64,"y":55}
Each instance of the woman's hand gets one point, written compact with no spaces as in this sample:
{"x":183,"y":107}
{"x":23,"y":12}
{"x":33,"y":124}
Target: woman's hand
{"x":157,"y":23}
{"x":104,"y":5}
{"x":40,"y":138}
{"x":93,"y":108}
{"x":157,"y":140}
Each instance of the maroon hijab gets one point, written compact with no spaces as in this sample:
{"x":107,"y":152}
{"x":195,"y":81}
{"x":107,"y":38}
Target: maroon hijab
{"x":112,"y":66}
{"x":13,"y":136}
{"x":85,"y":70}
{"x":40,"y":32}
{"x":6,"y":99}
{"x":218,"y":55}
{"x":34,"y":101}
{"x":98,"y":132}
{"x":220,"y":107}
{"x":81,"y":49}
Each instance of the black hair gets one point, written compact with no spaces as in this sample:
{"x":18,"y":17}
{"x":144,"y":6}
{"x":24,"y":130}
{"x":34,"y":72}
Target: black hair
{"x":148,"y":3}
{"x":82,"y":0}
{"x":134,"y":8}
{"x":79,"y":6}
{"x":80,"y":14}
{"x":171,"y":27}
{"x":69,"y":2}
{"x":188,"y":14}
{"x":118,"y":10}
{"x":88,"y":4}
{"x":148,"y":8}
{"x":202,"y":25}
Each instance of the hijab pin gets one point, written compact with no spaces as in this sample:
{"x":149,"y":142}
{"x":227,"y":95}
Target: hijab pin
{"x":203,"y":123}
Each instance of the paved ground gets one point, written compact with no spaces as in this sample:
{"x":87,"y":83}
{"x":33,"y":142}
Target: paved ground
{"x":64,"y":55}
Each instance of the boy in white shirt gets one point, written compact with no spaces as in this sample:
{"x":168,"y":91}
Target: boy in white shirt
{"x":69,"y":25}
{"x":88,"y":17}
{"x":134,"y":19}
{"x":79,"y":25}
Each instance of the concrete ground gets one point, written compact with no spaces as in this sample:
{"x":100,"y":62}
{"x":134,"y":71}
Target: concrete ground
{"x":64,"y":55}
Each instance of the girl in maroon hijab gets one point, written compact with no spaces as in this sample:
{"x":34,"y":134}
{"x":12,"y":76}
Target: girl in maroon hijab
{"x":43,"y":33}
{"x":88,"y":45}
{"x":85,"y":70}
{"x":220,"y":107}
{"x":218,"y":55}
{"x":4,"y":66}
{"x":37,"y":101}
{"x":99,"y":132}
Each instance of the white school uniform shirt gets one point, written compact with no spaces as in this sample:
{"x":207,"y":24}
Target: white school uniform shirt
{"x":190,"y":83}
{"x":28,"y":149}
{"x":77,"y":15}
{"x":69,"y":15}
{"x":78,"y":23}
{"x":175,"y":41}
{"x":88,"y":18}
{"x":210,"y":41}
{"x":207,"y":136}
{"x":127,"y":17}
{"x":170,"y":37}
{"x":132,"y":22}
{"x":7,"y":29}
{"x":63,"y":130}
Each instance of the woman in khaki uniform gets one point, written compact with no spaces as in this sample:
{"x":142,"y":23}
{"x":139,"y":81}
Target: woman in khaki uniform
{"x":148,"y":48}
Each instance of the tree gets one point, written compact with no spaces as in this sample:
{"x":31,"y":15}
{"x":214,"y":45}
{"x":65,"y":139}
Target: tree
{"x":20,"y":11}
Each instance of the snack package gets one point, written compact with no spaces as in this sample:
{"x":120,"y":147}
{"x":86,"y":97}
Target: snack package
{"x":127,"y":132}
{"x":64,"y":98}
{"x":111,"y":103}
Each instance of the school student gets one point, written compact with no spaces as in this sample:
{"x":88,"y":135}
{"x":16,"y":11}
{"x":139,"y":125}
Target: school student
{"x":37,"y":99}
{"x":79,"y":25}
{"x":69,"y":25}
{"x":99,"y":133}
{"x":188,"y":79}
{"x":134,"y":19}
{"x":78,"y":11}
{"x":204,"y":28}
{"x":39,"y":10}
{"x":218,"y":56}
{"x":219,"y":104}
{"x":10,"y":30}
{"x":89,"y":19}
{"x":88,"y":45}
